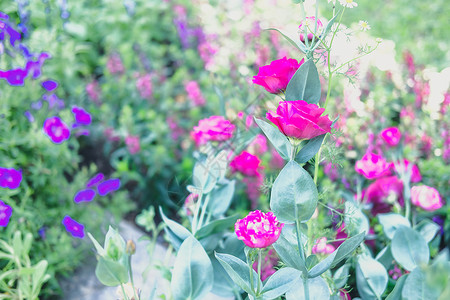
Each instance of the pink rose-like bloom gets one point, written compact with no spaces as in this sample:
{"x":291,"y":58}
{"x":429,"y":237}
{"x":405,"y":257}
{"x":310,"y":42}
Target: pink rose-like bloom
{"x":194,"y":93}
{"x":10,"y":178}
{"x":133,"y":144}
{"x":276,"y":76}
{"x":426,"y":197}
{"x":56,"y":130}
{"x":144,"y":86}
{"x":403,"y":166}
{"x":258,"y":229}
{"x":391,"y":136}
{"x":246,"y":163}
{"x":383,"y":193}
{"x":322,"y":247}
{"x":300,"y":120}
{"x":372,"y":166}
{"x":214,"y":128}
{"x":310,"y":24}
{"x":5,"y":214}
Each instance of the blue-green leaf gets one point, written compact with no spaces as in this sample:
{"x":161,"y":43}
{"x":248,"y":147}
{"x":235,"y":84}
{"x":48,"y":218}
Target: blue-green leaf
{"x":192,"y":276}
{"x":111,"y":273}
{"x":318,"y":290}
{"x":427,"y":229}
{"x":221,"y":197}
{"x":216,"y":226}
{"x":340,"y":277}
{"x":289,"y":254}
{"x":391,"y":222}
{"x":176,"y":232}
{"x":371,"y":277}
{"x":298,"y":44}
{"x":310,"y":149}
{"x":305,"y":84}
{"x":280,"y":282}
{"x":294,"y":195}
{"x":355,"y":220}
{"x":278,"y":139}
{"x":409,"y":248}
{"x":396,"y":293}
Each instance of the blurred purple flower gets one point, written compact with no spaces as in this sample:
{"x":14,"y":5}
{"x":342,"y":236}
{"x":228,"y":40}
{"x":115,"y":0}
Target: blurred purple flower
{"x":94,"y":180}
{"x":36,"y":105}
{"x":108,"y":186}
{"x":29,"y":116}
{"x":14,"y":77}
{"x":82,"y":117}
{"x":3,"y":16}
{"x":53,"y":100}
{"x":440,"y":221}
{"x":10,"y":178}
{"x":5,"y":214}
{"x":49,"y":85}
{"x":56,"y":130}
{"x":73,"y":227}
{"x":84,"y":195}
{"x":41,"y":232}
{"x":34,"y":67}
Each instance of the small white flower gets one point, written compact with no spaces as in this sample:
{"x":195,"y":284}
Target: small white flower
{"x":379,"y":40}
{"x":348,"y":3}
{"x":363,"y":25}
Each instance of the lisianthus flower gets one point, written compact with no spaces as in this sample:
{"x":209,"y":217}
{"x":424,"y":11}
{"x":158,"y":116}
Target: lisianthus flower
{"x":391,"y":136}
{"x":300,"y":120}
{"x":404,"y":166}
{"x":214,"y":128}
{"x":426,"y":197}
{"x":383,"y":193}
{"x":73,"y":227}
{"x":10,"y":178}
{"x":258,"y":229}
{"x":321,"y":246}
{"x":5,"y":214}
{"x":108,"y":186}
{"x":246,"y":163}
{"x":372,"y":166}
{"x":276,"y":76}
{"x":56,"y":130}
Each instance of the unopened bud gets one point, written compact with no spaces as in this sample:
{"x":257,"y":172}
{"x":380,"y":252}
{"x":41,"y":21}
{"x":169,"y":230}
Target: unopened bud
{"x":131,"y":247}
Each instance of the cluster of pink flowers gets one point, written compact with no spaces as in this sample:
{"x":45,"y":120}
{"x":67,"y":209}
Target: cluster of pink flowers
{"x":258,"y":229}
{"x":93,"y":91}
{"x":133,"y":144}
{"x":144,"y":86}
{"x":214,"y":128}
{"x":194,"y":93}
{"x":115,"y":65}
{"x":268,"y":264}
{"x":426,"y":197}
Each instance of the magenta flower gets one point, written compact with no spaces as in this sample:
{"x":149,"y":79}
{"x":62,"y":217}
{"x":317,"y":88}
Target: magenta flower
{"x":214,"y":128}
{"x":426,"y":197}
{"x":372,"y":166}
{"x":93,"y":90}
{"x":94,"y":180}
{"x":84,"y":195}
{"x":82,"y":117}
{"x":310,"y":23}
{"x":258,"y":229}
{"x":322,"y":247}
{"x":269,"y":264}
{"x":383,"y":193}
{"x":14,"y":77}
{"x":56,"y":130}
{"x":300,"y":120}
{"x":246,"y":163}
{"x":133,"y":144}
{"x":10,"y":178}
{"x":115,"y":65}
{"x":391,"y":136}
{"x":276,"y":76}
{"x":5,"y":214}
{"x":144,"y":86}
{"x":108,"y":186}
{"x":259,"y":144}
{"x":403,"y":166}
{"x":49,"y":85}
{"x":194,"y":93}
{"x":73,"y":227}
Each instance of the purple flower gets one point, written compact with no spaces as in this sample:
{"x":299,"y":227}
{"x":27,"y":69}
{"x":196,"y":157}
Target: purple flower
{"x":36,"y":105}
{"x":41,"y":232}
{"x":3,"y":15}
{"x":440,"y":221}
{"x":56,"y":130}
{"x":73,"y":227}
{"x":53,"y":100}
{"x":13,"y":35}
{"x":34,"y":67}
{"x":5,"y":214}
{"x":49,"y":85}
{"x":10,"y":178}
{"x":84,"y":195}
{"x":94,"y":180}
{"x":15,"y":76}
{"x":81,"y":116}
{"x":108,"y":186}
{"x":29,"y":116}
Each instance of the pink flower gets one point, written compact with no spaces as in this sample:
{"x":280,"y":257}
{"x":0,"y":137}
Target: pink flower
{"x":56,"y":130}
{"x":259,"y":144}
{"x":115,"y":65}
{"x":144,"y":86}
{"x":310,"y":24}
{"x":426,"y":197}
{"x":93,"y":91}
{"x":194,"y":93}
{"x":268,"y":264}
{"x":277,"y":162}
{"x":10,"y":178}
{"x":258,"y":229}
{"x":344,"y":295}
{"x":276,"y":76}
{"x":391,"y":136}
{"x":372,"y":166}
{"x":404,"y":166}
{"x":214,"y":128}
{"x":300,"y":120}
{"x":246,"y":163}
{"x":322,"y":247}
{"x":341,"y":235}
{"x":331,"y":171}
{"x":189,"y":204}
{"x":133,"y":144}
{"x":383,"y":193}
{"x":395,"y":273}
{"x":5,"y":214}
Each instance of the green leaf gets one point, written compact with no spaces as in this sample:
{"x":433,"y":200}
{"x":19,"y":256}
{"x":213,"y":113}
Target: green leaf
{"x":216,"y":226}
{"x":280,"y":282}
{"x":409,"y":248}
{"x":296,"y":43}
{"x":176,"y":232}
{"x":341,"y":253}
{"x":294,"y":195}
{"x":391,"y":222}
{"x":371,"y":277}
{"x":310,"y":149}
{"x":385,"y":257}
{"x":111,"y":273}
{"x":220,"y":198}
{"x":289,"y":254}
{"x":192,"y":276}
{"x":355,"y":220}
{"x":318,"y":290}
{"x":396,"y":293}
{"x":278,"y":139}
{"x":305,"y":84}
{"x":311,"y":261}
{"x":238,"y":271}
{"x":340,"y":277}
{"x":417,"y":287}
{"x":204,"y":176}
{"x":427,"y":229}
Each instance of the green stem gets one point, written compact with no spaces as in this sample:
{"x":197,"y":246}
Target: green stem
{"x":306,"y":288}
{"x":293,"y":152}
{"x":250,"y":268}
{"x":299,"y":243}
{"x":316,"y":165}
{"x":131,"y":278}
{"x":259,"y":272}
{"x":202,"y":216}
{"x":196,"y":214}
{"x":123,"y":291}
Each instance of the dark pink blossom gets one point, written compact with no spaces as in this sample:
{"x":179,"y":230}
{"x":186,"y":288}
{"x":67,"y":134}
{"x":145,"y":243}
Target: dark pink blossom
{"x":383,"y":193}
{"x":194,"y":93}
{"x":246,"y":163}
{"x":372,"y":166}
{"x":391,"y":136}
{"x":214,"y":128}
{"x":276,"y":76}
{"x":108,"y":186}
{"x":406,"y":166}
{"x":73,"y":227}
{"x":82,"y":117}
{"x":300,"y":120}
{"x":258,"y":229}
{"x":56,"y":130}
{"x":268,"y":265}
{"x":84,"y":196}
{"x":133,"y":144}
{"x":5,"y":214}
{"x":10,"y":178}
